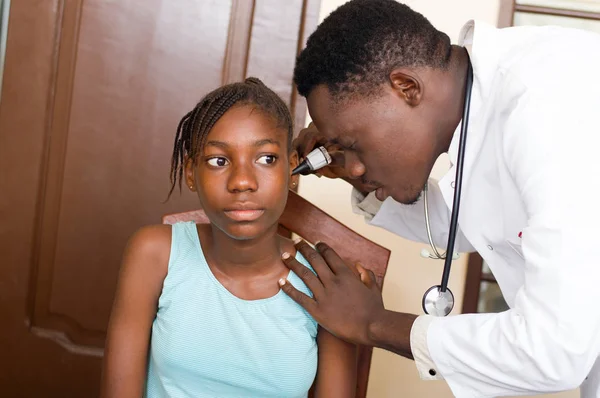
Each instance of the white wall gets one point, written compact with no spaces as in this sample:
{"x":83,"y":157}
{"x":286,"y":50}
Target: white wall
{"x":408,"y":274}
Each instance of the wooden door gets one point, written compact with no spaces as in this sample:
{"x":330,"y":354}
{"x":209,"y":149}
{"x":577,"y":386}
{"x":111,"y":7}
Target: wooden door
{"x":92,"y":93}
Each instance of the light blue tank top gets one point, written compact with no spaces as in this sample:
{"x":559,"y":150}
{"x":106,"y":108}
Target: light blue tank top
{"x":206,"y":342}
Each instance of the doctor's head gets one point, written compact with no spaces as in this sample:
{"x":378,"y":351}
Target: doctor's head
{"x":380,"y":81}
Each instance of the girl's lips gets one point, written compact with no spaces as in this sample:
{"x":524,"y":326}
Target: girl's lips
{"x":245,"y":214}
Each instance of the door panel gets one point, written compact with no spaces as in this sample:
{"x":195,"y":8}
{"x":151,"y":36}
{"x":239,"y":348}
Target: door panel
{"x":126,"y":87}
{"x":92,"y":94}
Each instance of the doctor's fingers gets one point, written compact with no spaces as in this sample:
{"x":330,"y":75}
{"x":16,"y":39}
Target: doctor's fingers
{"x":302,"y":299}
{"x":307,"y":140}
{"x":303,"y":272}
{"x":317,"y":262}
{"x":366,"y":276}
{"x":333,"y":260}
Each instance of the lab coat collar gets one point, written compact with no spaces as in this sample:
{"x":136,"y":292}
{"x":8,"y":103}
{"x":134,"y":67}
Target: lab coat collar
{"x":483,"y":59}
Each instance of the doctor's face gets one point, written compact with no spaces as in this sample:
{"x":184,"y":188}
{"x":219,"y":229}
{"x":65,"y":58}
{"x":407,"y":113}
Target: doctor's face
{"x":387,"y":143}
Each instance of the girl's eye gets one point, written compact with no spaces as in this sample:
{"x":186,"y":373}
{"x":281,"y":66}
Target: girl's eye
{"x":267,"y":159}
{"x":217,"y":162}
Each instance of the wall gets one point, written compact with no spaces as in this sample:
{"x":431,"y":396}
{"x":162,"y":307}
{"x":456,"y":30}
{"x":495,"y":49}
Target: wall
{"x":409,"y":275}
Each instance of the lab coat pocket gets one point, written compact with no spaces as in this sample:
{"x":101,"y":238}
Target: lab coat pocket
{"x":516,"y":246}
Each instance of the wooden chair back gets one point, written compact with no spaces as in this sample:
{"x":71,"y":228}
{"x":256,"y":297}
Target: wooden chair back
{"x":314,"y":225}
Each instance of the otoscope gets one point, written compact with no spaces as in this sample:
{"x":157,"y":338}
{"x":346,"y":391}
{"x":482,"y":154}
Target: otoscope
{"x":315,"y":160}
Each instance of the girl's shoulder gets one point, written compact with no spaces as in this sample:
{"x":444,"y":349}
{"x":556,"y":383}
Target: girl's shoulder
{"x":164,"y":248}
{"x":154,"y":239}
{"x":145,"y":260}
{"x":151,"y":242}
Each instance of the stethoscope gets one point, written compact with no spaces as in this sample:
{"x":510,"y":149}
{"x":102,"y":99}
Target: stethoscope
{"x":438,"y":300}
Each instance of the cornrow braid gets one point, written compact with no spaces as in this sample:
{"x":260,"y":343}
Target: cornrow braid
{"x":194,"y":127}
{"x":215,"y":114}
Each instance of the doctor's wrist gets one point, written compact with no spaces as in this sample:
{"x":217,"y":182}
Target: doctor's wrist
{"x":390,"y":331}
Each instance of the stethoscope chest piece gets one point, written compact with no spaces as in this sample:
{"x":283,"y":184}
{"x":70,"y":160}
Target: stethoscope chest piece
{"x":438,"y":303}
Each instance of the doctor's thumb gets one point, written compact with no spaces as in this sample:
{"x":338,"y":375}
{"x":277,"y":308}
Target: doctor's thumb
{"x":366,"y":276}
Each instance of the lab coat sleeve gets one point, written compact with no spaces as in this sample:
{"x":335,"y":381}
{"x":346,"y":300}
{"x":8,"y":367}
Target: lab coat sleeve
{"x":408,"y":221}
{"x":420,"y":349}
{"x":549,"y":340}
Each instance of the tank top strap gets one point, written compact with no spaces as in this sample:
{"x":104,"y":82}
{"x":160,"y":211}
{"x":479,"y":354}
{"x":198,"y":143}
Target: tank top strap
{"x":185,"y":256}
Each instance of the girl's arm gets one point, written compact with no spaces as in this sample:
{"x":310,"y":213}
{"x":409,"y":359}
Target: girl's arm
{"x":336,"y":372}
{"x":143,"y":271}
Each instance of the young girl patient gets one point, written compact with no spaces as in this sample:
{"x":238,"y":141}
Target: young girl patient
{"x":198,"y":311}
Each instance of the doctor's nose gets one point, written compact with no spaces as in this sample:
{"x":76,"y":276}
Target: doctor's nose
{"x":354,"y":167}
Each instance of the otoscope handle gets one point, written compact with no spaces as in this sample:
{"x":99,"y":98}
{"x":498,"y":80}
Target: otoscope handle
{"x":315,"y":160}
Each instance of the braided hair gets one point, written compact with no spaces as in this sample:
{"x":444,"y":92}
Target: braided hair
{"x":196,"y":124}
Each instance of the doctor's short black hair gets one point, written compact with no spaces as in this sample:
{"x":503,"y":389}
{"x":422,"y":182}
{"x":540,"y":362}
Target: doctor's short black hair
{"x":356,"y":47}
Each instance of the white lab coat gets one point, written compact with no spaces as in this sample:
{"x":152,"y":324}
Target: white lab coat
{"x":532,"y":167}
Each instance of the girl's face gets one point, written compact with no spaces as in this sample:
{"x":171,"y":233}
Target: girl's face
{"x":242,"y":175}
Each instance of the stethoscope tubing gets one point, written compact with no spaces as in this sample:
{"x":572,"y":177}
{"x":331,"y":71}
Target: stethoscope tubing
{"x":458,"y":180}
{"x":443,"y":292}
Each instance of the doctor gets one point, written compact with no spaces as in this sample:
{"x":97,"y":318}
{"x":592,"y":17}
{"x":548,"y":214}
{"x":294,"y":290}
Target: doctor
{"x":388,"y":90}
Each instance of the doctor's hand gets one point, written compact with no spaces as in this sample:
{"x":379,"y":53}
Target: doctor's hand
{"x":308,"y":139}
{"x":346,"y":300}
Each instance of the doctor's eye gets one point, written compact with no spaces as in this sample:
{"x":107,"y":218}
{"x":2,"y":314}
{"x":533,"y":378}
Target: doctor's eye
{"x":347,"y":147}
{"x":217,"y":162}
{"x":267,"y":159}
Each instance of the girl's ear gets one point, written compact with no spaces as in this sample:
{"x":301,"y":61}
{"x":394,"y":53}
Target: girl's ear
{"x":293,"y":163}
{"x":189,"y":174}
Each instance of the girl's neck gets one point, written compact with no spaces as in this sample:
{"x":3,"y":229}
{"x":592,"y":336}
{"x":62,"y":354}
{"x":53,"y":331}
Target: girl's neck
{"x":250,"y":257}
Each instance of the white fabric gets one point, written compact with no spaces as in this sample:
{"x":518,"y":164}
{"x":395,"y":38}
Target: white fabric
{"x":531,"y":167}
{"x":420,"y":349}
{"x":366,"y":206}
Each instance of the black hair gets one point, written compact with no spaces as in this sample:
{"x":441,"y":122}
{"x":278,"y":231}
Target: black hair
{"x":356,"y":47}
{"x":196,"y":124}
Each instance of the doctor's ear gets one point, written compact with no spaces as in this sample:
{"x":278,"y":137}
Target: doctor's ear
{"x":407,"y":85}
{"x":189,"y":174}
{"x":294,"y":161}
